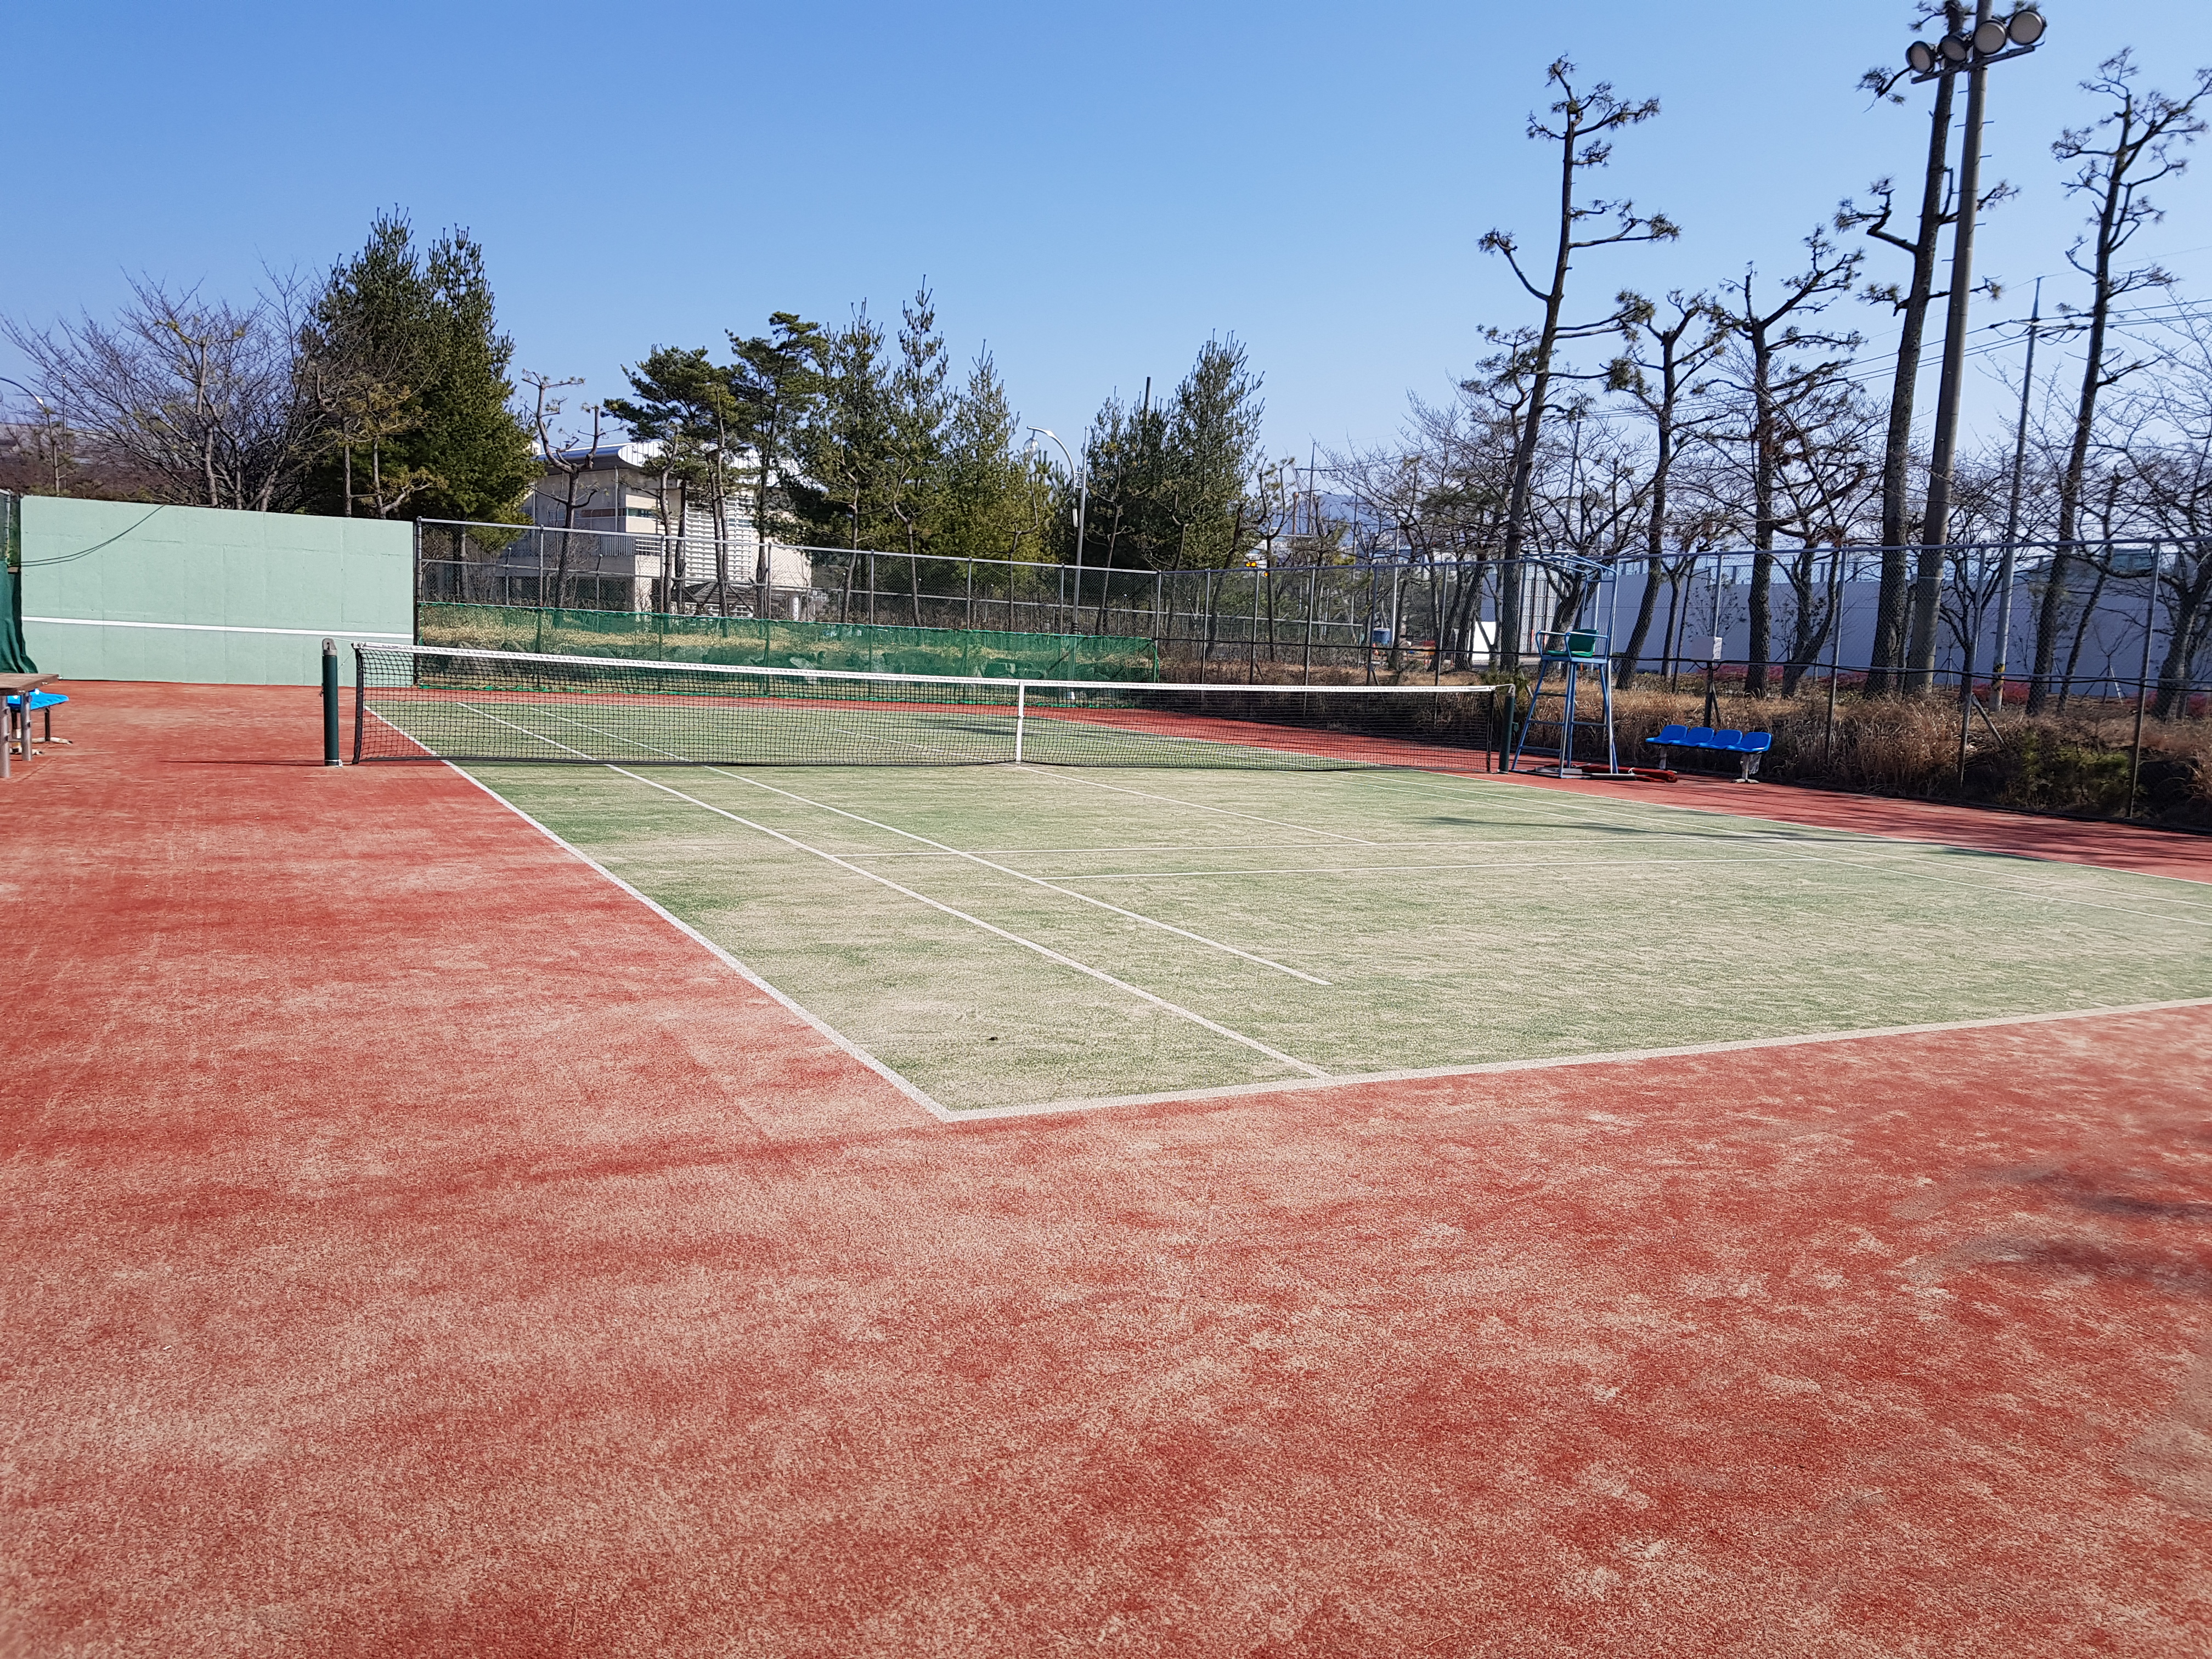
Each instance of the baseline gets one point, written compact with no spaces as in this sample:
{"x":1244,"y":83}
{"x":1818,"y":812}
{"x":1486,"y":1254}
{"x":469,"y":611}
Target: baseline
{"x":1552,"y":1063}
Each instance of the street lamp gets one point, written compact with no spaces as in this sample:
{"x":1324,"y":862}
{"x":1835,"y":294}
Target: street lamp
{"x":1082,"y":477}
{"x":1991,"y":40}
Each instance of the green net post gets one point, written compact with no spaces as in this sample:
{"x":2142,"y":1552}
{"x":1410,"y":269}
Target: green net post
{"x":331,"y":703}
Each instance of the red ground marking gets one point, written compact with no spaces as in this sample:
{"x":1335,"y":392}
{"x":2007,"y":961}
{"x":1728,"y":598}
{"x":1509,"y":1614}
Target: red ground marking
{"x":419,"y":1248}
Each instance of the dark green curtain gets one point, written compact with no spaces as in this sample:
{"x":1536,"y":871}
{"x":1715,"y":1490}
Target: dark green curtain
{"x":15,"y":658}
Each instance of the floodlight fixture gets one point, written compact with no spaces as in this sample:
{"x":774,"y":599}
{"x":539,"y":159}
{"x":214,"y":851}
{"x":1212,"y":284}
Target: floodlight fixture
{"x":1990,"y":38}
{"x":2027,"y":26}
{"x":1922,"y":58}
{"x":1954,"y":49}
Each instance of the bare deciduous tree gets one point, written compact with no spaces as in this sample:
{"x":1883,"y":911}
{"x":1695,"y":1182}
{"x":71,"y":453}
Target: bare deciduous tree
{"x":200,"y":399}
{"x":2142,"y":134}
{"x":1584,"y":123}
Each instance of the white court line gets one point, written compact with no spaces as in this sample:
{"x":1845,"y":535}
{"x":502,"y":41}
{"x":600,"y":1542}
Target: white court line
{"x":1195,"y":805}
{"x":1552,"y":1062}
{"x":1562,"y":866}
{"x":211,"y":628}
{"x":1839,"y":840}
{"x":1460,"y":846}
{"x":1038,"y":881}
{"x":834,"y":1035}
{"x":1044,"y":950}
{"x":1321,"y":1080}
{"x":940,"y":846}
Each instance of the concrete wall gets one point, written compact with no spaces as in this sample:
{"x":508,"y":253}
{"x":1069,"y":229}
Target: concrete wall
{"x":122,"y":591}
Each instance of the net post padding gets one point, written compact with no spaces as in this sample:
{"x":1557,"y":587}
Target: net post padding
{"x":546,"y":708}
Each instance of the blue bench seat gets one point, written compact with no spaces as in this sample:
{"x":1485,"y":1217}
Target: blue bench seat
{"x":1746,"y":747}
{"x":19,"y":723}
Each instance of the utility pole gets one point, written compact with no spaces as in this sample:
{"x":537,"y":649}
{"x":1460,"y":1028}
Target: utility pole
{"x":1989,"y":41}
{"x":2012,"y":512}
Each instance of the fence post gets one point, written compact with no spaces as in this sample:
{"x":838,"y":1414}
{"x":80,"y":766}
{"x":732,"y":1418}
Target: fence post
{"x":1313,"y":596}
{"x":2143,"y":682}
{"x":1835,"y":651}
{"x":1367,"y":643}
{"x":1252,"y":636}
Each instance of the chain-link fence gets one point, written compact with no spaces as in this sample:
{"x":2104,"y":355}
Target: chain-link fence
{"x":2109,"y":614}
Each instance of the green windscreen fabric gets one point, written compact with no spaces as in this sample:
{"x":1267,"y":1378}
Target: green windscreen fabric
{"x":15,"y":656}
{"x":743,"y":642}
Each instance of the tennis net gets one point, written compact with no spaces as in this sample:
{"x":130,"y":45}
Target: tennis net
{"x":426,"y":702}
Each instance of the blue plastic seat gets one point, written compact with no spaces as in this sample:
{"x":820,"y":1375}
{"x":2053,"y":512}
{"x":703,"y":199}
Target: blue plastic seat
{"x":1669,"y":736}
{"x":1749,"y":746}
{"x":1728,"y":737}
{"x":39,"y":699}
{"x":1701,"y":737}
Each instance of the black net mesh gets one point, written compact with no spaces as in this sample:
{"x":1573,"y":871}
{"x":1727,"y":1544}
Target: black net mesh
{"x":421,"y":702}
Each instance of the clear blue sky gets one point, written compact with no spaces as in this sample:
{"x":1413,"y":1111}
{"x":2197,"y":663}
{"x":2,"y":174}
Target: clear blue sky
{"x":1092,"y":190}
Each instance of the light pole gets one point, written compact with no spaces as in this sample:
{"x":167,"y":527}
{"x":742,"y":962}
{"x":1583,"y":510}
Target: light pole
{"x":2012,"y":511}
{"x":54,"y":421}
{"x":1081,"y":477}
{"x":1989,"y":41}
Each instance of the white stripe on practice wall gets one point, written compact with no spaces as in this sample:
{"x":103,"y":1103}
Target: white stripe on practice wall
{"x":221,"y":628}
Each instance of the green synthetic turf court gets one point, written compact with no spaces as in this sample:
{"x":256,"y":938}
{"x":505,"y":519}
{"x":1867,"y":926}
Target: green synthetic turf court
{"x":1013,"y":936}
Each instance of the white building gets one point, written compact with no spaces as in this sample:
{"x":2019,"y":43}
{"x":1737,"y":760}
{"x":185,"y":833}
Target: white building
{"x":631,"y":522}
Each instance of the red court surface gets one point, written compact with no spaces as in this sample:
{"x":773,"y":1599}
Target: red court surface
{"x":418,"y":1247}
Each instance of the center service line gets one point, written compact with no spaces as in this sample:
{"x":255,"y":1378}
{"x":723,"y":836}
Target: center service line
{"x":1038,"y":881}
{"x":1003,"y":870}
{"x":1046,"y":952}
{"x":1099,"y":973}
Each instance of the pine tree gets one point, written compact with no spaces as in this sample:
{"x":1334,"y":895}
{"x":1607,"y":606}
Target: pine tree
{"x":403,"y":354}
{"x":994,"y":501}
{"x":1212,"y":448}
{"x":919,"y":408}
{"x":843,"y":450}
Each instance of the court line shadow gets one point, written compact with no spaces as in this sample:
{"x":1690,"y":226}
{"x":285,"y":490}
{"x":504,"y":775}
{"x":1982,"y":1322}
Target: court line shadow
{"x":2063,"y":1257}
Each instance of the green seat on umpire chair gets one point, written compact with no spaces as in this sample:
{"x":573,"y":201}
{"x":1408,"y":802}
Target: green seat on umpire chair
{"x":1579,"y":645}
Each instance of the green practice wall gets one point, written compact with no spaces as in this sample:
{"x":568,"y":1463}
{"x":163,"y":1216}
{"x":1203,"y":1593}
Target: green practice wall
{"x":122,"y":591}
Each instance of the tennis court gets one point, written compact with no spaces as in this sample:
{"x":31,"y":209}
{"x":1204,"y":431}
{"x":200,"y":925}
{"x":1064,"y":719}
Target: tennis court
{"x":1225,"y":912}
{"x":431,"y":1250}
